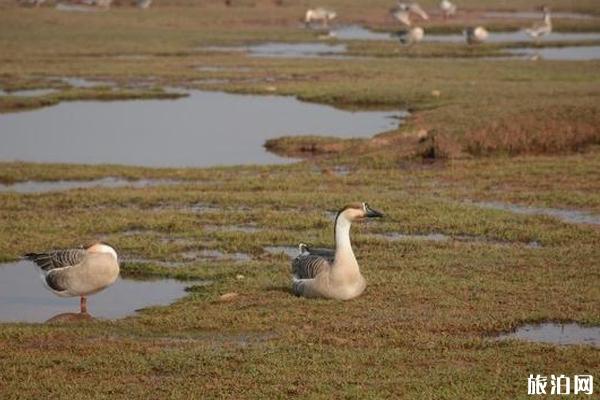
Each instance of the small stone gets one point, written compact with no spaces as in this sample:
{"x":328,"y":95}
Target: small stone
{"x":436,"y":93}
{"x":228,"y":296}
{"x":270,"y":88}
{"x":239,"y":277}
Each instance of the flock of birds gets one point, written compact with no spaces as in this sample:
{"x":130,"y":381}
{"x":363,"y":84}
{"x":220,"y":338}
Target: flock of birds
{"x":316,"y":273}
{"x":404,"y":12}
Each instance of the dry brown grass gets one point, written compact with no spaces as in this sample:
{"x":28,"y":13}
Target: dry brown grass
{"x":542,"y":131}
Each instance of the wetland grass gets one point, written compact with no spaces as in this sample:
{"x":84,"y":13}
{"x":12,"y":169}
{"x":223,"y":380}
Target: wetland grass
{"x":422,"y":328}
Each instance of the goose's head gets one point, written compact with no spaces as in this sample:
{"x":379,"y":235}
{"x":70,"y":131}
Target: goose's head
{"x":358,"y":211}
{"x":101,"y":247}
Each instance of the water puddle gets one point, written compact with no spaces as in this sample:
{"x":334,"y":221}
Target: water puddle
{"x":290,"y":251}
{"x":84,"y":83}
{"x":570,"y":216}
{"x":220,"y":68}
{"x":556,"y":333}
{"x":287,"y":50}
{"x":357,"y":32}
{"x":77,"y":8}
{"x":132,"y":57}
{"x":440,"y":237}
{"x":208,"y":254}
{"x":232,"y":228}
{"x":56,"y":186}
{"x":212,"y":129}
{"x":575,"y":53}
{"x":28,"y":92}
{"x":297,"y":50}
{"x":23,"y":298}
{"x":535,"y":15}
{"x":196,"y":208}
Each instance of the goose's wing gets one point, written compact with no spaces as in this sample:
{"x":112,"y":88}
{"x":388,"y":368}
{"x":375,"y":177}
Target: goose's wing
{"x":308,"y":266}
{"x":328,"y":254}
{"x":416,"y":8}
{"x":57,"y":258}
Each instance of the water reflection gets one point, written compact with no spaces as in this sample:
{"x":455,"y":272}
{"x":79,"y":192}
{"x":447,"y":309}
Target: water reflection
{"x":23,"y":297}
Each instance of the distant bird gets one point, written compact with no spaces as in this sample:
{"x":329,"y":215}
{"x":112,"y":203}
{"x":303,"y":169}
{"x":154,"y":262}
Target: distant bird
{"x":97,"y":3}
{"x":476,"y":35}
{"x":143,"y":4}
{"x":448,"y":8}
{"x":78,"y":272}
{"x":32,"y":3}
{"x":541,"y":29}
{"x":412,"y":36}
{"x":319,"y":14}
{"x":402,"y":12}
{"x":332,"y":274}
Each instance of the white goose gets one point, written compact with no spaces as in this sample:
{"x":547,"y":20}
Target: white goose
{"x":476,"y":35}
{"x":332,"y":274}
{"x":78,"y":272}
{"x":143,"y":4}
{"x":402,"y":12}
{"x":541,"y":29}
{"x":319,"y":14}
{"x":412,"y":36}
{"x":448,"y":8}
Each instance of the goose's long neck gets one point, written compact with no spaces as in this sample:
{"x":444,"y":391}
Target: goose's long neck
{"x":547,"y":19}
{"x":344,"y":256}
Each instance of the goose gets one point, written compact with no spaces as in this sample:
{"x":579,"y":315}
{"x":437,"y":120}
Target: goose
{"x":34,"y":3}
{"x":402,"y":11}
{"x":77,"y":272}
{"x":476,"y":35}
{"x":448,"y":8}
{"x":412,"y":36}
{"x":541,"y":29}
{"x":143,"y":4}
{"x":319,"y":14}
{"x":332,"y":274}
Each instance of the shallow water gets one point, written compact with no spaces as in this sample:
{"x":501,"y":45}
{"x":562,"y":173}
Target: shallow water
{"x":208,"y":254}
{"x":77,"y":8}
{"x":55,"y":186}
{"x":233,"y":228}
{"x":23,"y":296}
{"x":290,"y":251}
{"x":571,"y":216}
{"x":357,"y":32}
{"x":28,"y":92}
{"x":84,"y":83}
{"x":535,"y":15}
{"x":440,"y":237}
{"x":297,"y":50}
{"x":204,"y":129}
{"x":516,"y":36}
{"x":575,"y":53}
{"x":555,"y":333}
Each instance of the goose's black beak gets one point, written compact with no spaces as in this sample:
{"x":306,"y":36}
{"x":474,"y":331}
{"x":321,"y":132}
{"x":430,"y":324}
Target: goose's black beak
{"x":372,"y":213}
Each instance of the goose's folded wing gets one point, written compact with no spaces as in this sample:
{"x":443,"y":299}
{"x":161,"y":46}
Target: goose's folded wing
{"x":57,"y":258}
{"x":328,"y":254}
{"x":309,"y":266}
